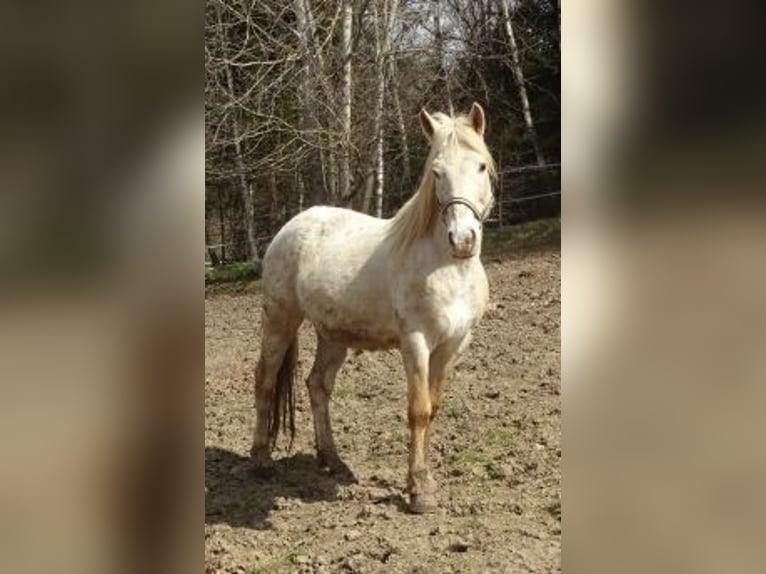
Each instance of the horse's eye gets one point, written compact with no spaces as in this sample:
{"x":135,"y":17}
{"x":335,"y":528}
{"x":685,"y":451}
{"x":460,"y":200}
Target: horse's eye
{"x":436,"y":174}
{"x":482,"y":167}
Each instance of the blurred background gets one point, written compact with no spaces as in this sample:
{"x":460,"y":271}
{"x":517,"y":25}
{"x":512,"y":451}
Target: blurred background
{"x":101,"y":335}
{"x":663,"y":277}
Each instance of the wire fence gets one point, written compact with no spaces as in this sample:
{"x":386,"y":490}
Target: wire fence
{"x":518,"y":198}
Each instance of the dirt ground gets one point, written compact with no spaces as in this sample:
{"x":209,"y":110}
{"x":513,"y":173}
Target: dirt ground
{"x":496,"y":450}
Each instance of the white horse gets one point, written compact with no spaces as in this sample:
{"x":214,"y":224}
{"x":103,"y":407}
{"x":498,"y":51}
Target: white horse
{"x":414,"y":282}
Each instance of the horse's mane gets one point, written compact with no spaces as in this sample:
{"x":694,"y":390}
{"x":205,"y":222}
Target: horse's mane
{"x":417,"y":216}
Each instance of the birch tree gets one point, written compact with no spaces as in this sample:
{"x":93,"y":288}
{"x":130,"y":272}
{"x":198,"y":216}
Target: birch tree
{"x":312,"y":80}
{"x":345,"y":116}
{"x":245,"y":189}
{"x":383,"y":31}
{"x":520,"y":82}
{"x":396,"y":98}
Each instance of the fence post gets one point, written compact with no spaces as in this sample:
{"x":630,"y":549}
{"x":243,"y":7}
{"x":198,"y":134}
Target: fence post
{"x":500,"y":191}
{"x":221,"y":224}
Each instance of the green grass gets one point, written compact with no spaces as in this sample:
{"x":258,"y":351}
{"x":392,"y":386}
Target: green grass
{"x":492,"y":439}
{"x":341,"y":391}
{"x":237,"y":271}
{"x":469,"y":456}
{"x":529,"y":235}
{"x":500,"y":436}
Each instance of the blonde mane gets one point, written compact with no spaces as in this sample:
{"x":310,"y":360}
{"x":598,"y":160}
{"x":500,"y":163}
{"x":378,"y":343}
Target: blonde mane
{"x":418,"y":215}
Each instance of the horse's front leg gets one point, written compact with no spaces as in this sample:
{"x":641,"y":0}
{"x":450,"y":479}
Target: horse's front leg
{"x":420,"y":484}
{"x":440,"y":366}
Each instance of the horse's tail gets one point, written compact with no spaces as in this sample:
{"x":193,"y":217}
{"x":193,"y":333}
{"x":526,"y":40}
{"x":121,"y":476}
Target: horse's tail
{"x":283,"y":403}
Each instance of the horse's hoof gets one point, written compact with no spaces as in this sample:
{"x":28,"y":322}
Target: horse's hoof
{"x":343,"y":474}
{"x":422,"y":503}
{"x":337,"y":468}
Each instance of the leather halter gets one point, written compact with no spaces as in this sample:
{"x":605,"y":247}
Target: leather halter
{"x":462,"y":201}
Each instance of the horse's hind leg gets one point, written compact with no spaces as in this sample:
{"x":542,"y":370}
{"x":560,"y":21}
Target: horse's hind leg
{"x":278,"y":335}
{"x":328,"y":361}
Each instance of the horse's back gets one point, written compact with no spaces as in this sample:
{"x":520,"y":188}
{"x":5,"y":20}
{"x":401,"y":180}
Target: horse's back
{"x":319,"y":249}
{"x":319,"y":233}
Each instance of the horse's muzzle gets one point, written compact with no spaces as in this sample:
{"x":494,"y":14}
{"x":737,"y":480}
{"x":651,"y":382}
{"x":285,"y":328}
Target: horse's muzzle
{"x":463,"y":244}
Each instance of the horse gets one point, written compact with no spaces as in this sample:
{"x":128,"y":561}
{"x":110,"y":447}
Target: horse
{"x":413,"y":282}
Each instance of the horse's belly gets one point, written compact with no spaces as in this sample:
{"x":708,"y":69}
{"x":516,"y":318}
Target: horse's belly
{"x":366,"y":324}
{"x":363,"y":336}
{"x":350,"y":305}
{"x":369,"y":327}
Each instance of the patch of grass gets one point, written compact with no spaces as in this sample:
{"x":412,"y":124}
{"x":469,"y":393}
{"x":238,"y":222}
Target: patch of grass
{"x":237,"y":271}
{"x":298,"y":550}
{"x":469,"y":456}
{"x":492,"y":438}
{"x":540,"y":233}
{"x":341,"y":391}
{"x":453,"y":410}
{"x":500,"y":436}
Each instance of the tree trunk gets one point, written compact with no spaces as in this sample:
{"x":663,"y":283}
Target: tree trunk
{"x":239,"y":162}
{"x":441,"y":55}
{"x":301,"y":192}
{"x":345,"y":116}
{"x":383,"y":28}
{"x":406,"y":166}
{"x":369,"y":187}
{"x":310,"y":125}
{"x":519,"y":75}
{"x":379,"y":93}
{"x":324,"y":96}
{"x":276,"y":216}
{"x":214,"y":260}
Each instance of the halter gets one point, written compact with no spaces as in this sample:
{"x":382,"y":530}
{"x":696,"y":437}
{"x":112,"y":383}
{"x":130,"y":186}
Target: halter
{"x":462,"y":201}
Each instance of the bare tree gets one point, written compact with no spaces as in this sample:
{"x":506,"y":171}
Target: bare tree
{"x":308,"y":95}
{"x":245,"y":188}
{"x":383,"y":29}
{"x":345,"y":117}
{"x":519,"y":75}
{"x":394,"y":91}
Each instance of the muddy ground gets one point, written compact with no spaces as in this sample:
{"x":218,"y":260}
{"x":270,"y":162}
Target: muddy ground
{"x":496,"y":449}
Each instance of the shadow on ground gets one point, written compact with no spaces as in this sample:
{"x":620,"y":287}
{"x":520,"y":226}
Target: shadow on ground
{"x":236,"y":495}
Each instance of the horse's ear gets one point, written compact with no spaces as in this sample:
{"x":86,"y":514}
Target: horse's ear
{"x":427,"y":123}
{"x":476,"y":117}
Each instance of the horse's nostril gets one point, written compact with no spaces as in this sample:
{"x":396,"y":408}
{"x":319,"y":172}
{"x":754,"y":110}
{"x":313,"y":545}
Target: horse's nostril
{"x":473,"y":236}
{"x":451,"y":238}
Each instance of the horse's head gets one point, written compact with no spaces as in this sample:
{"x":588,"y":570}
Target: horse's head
{"x":461,"y":167}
